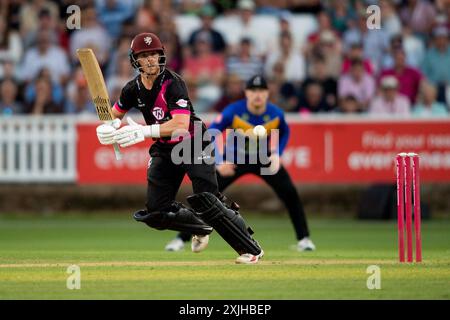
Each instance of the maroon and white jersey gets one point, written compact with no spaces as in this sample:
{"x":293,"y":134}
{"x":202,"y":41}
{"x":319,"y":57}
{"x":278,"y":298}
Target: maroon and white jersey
{"x":168,"y":96}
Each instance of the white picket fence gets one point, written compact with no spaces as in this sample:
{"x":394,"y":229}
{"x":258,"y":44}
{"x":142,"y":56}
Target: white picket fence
{"x":38,"y":149}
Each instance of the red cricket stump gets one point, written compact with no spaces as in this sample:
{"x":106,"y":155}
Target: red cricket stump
{"x":417,"y":213}
{"x":400,"y":206}
{"x":408,"y":189}
{"x":408,"y":209}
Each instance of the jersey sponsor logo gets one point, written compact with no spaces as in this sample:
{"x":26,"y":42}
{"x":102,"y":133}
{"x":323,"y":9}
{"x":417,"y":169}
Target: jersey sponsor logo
{"x":140,"y":104}
{"x":182,"y":103}
{"x":158,"y":113}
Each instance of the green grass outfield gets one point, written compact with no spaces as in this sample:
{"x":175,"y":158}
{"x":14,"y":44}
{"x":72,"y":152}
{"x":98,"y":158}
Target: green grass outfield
{"x":122,"y":259}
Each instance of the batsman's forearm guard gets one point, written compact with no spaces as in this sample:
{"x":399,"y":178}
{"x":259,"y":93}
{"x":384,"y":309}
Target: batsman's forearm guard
{"x":227,"y":222}
{"x":176,"y":217}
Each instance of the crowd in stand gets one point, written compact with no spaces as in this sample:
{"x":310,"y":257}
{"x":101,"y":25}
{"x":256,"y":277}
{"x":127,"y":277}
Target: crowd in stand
{"x":341,"y":66}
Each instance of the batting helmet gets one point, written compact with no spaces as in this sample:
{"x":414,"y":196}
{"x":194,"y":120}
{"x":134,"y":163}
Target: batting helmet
{"x":147,"y":42}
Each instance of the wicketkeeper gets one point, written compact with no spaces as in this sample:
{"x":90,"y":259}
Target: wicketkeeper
{"x":161,"y":95}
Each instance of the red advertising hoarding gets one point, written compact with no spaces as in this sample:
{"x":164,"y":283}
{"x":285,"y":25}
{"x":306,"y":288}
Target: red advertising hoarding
{"x":320,"y":150}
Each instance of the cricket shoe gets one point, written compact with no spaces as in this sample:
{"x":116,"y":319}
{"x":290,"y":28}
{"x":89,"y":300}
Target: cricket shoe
{"x":175,"y":245}
{"x":248,"y":258}
{"x":199,"y":243}
{"x":305,"y":245}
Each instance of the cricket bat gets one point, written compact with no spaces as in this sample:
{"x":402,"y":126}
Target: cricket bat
{"x":97,"y":89}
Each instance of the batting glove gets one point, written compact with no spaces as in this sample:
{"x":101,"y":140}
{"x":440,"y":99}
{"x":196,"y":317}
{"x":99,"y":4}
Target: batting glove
{"x":134,"y":133}
{"x":106,"y":131}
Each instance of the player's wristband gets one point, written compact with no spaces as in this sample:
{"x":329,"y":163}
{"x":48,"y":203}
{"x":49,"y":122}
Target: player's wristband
{"x":152,"y":131}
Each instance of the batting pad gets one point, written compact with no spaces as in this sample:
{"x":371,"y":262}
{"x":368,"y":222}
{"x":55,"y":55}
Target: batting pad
{"x":227,"y":222}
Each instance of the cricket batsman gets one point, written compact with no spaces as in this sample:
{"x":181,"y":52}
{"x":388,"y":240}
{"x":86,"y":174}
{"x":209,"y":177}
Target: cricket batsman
{"x":161,"y":95}
{"x":252,"y":113}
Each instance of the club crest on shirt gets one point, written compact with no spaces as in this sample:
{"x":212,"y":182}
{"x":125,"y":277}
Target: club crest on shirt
{"x":158,"y":113}
{"x":181,"y":103}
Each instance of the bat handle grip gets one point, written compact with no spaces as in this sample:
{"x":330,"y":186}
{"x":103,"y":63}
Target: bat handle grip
{"x":119,"y":155}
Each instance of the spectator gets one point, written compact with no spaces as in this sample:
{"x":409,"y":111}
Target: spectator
{"x":390,"y":20}
{"x":29,"y":14}
{"x":330,"y":50}
{"x":10,"y":45}
{"x":245,"y":25}
{"x":409,"y":78}
{"x":282,"y":92}
{"x":9,"y":105}
{"x":146,"y":17}
{"x":419,"y":15}
{"x":390,"y":101}
{"x":293,"y":62}
{"x":375,"y":42}
{"x":357,"y":83}
{"x":318,"y":74}
{"x":355,"y":51}
{"x":232,"y":92}
{"x":173,"y":49}
{"x":207,"y":14}
{"x":324,"y":25}
{"x":411,"y":44}
{"x":45,"y":22}
{"x":244,"y":64}
{"x":206,"y":71}
{"x":112,"y":14}
{"x":428,"y":104}
{"x":436,"y":64}
{"x":349,"y":105}
{"x":92,"y":35}
{"x":313,"y":99}
{"x":45,"y":55}
{"x":43,"y":102}
{"x":341,"y":12}
{"x":78,"y":97}
{"x":57,"y":91}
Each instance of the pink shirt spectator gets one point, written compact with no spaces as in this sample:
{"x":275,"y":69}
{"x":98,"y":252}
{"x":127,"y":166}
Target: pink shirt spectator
{"x":419,"y":18}
{"x":409,"y":80}
{"x":363,"y":90}
{"x":368,"y":67}
{"x":399,"y":106}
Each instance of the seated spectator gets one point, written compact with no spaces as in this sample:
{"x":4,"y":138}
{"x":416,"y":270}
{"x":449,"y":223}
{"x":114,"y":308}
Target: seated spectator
{"x":207,"y":14}
{"x":244,"y":64}
{"x":293,"y":62}
{"x":281,"y":92}
{"x":46,"y":22}
{"x":123,"y":74}
{"x":341,"y":12}
{"x":390,"y":20}
{"x":78,"y":97}
{"x":10,"y":45}
{"x":324,"y":25}
{"x":375,"y":42}
{"x":355,"y":51}
{"x":206,"y":71}
{"x":409,"y":78}
{"x":436,"y":64}
{"x":9,"y":105}
{"x":419,"y":15}
{"x":91,"y":35}
{"x":318,"y":74}
{"x":233,"y":91}
{"x":313,"y":99}
{"x":45,"y":55}
{"x":349,"y":105}
{"x":390,"y":101}
{"x":329,"y":49}
{"x":358,"y":83}
{"x":57,"y":91}
{"x":412,"y":45}
{"x":43,"y":102}
{"x":29,"y":14}
{"x":112,"y":14}
{"x":428,"y":105}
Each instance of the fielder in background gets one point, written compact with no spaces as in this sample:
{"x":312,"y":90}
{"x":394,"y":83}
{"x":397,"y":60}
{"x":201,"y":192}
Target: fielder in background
{"x":161,"y":95}
{"x":252,"y":113}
